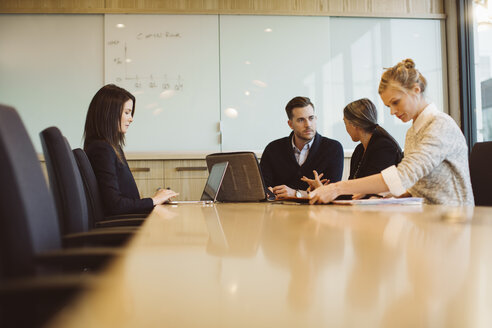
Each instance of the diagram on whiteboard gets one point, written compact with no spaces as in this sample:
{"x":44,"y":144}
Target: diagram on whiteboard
{"x":170,"y":64}
{"x":131,"y":68}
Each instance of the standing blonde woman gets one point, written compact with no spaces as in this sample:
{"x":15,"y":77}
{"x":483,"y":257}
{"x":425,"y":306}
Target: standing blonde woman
{"x":435,"y":165}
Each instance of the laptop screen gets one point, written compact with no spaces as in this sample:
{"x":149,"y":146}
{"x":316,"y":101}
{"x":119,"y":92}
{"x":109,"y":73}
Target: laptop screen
{"x":214,"y":181}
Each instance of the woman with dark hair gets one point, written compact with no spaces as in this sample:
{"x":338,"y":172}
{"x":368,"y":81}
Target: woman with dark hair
{"x":108,"y":118}
{"x":377,"y":149}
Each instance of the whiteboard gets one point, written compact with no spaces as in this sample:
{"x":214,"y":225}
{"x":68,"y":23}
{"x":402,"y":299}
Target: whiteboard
{"x":50,"y":67}
{"x":171,"y":64}
{"x":208,"y":82}
{"x":266,"y":61}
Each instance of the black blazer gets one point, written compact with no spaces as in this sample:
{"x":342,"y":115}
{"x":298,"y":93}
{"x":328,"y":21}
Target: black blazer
{"x":279,"y":166}
{"x":117,"y":186}
{"x":381,"y":152}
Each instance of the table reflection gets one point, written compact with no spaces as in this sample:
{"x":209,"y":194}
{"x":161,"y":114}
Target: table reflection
{"x":231,"y":233}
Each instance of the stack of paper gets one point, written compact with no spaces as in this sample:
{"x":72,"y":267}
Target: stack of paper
{"x":381,"y":201}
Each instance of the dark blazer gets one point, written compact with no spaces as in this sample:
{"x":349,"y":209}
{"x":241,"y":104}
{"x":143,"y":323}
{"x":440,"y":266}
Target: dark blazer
{"x":117,"y":186}
{"x":279,"y":166}
{"x":381,"y":152}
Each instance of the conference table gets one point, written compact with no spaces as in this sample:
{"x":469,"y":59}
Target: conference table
{"x":286,"y":265}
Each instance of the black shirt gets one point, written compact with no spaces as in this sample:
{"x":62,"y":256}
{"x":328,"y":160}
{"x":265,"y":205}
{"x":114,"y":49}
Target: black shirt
{"x":381,"y":152}
{"x":279,"y":165}
{"x":117,"y":186}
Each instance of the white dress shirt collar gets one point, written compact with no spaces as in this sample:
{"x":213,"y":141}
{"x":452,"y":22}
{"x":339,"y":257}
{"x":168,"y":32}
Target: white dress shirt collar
{"x":301,"y":155}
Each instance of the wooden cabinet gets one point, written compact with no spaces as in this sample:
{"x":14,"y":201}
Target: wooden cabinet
{"x":188,"y":177}
{"x":185,"y":176}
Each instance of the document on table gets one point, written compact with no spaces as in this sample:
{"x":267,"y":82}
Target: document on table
{"x":381,"y":201}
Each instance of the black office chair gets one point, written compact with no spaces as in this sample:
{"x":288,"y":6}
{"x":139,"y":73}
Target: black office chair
{"x":68,"y":190}
{"x":96,"y":213}
{"x":481,"y":174}
{"x":30,"y":241}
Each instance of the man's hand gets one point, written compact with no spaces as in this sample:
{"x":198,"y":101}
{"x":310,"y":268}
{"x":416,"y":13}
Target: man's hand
{"x":283,"y":191}
{"x":316,"y":182}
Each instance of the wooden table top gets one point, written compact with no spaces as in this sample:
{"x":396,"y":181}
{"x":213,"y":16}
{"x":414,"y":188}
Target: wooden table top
{"x":271,"y":265}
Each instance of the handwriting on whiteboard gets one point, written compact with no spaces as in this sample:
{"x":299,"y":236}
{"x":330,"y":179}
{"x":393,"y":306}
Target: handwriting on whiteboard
{"x":142,"y":36}
{"x":155,"y":81}
{"x":146,"y":36}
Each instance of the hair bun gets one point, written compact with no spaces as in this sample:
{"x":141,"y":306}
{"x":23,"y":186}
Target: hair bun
{"x":404,"y":75}
{"x":408,"y":63}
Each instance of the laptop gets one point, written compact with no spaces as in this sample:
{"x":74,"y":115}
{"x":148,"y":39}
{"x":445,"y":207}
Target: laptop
{"x":212,"y":187}
{"x":243,"y":181}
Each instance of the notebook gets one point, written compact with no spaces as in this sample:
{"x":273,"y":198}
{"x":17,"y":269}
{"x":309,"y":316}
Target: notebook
{"x":382,"y":201}
{"x":212,"y":187}
{"x":297,"y":200}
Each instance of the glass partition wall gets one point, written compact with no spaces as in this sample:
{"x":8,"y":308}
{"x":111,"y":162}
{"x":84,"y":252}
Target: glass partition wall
{"x":482,"y":30}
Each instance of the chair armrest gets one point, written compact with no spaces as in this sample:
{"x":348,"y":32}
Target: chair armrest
{"x":43,"y":284}
{"x":133,"y":229}
{"x":123,"y":222}
{"x":78,"y":259}
{"x":32,"y":301}
{"x":98,"y":237}
{"x":127,"y":216}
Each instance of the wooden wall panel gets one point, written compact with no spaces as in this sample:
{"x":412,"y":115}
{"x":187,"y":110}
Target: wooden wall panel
{"x":369,"y":8}
{"x":389,"y":6}
{"x":52,"y":6}
{"x":357,"y":6}
{"x":163,"y":6}
{"x":438,"y":6}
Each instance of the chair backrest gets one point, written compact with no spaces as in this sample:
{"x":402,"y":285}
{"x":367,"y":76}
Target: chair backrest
{"x":28,"y":221}
{"x":481,"y":173}
{"x":65,"y":182}
{"x":96,"y":212}
{"x":243,"y":181}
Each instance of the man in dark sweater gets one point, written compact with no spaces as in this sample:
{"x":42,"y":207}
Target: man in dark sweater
{"x":285,"y":161}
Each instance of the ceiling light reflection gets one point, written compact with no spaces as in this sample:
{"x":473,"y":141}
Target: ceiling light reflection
{"x":167,"y":94}
{"x":157,"y":111}
{"x":233,"y":288}
{"x":231,"y":112}
{"x":260,"y":84}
